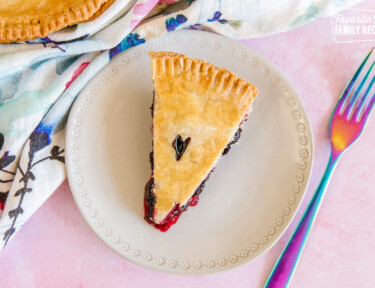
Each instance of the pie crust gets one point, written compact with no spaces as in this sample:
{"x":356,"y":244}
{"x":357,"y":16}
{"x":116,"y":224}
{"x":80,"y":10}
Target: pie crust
{"x":195,"y":99}
{"x":101,"y":10}
{"x":22,"y":20}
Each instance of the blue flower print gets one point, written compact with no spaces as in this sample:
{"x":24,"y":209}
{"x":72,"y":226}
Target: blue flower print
{"x":173,"y":23}
{"x":129,"y":41}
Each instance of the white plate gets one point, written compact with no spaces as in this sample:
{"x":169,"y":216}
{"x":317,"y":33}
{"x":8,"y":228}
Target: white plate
{"x":250,"y":198}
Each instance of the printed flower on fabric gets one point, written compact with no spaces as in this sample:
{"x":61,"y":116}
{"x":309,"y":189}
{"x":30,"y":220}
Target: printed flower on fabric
{"x":55,"y":44}
{"x":63,"y":63}
{"x":76,"y":73}
{"x":196,"y":27}
{"x":173,"y":23}
{"x":6,"y":176}
{"x":9,"y":86}
{"x":38,"y":140}
{"x":129,"y":41}
{"x":217,"y":17}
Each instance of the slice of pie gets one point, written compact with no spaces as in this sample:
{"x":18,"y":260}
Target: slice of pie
{"x":197,"y":110}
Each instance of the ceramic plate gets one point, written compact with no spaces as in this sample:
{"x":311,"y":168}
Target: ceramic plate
{"x":250,"y":198}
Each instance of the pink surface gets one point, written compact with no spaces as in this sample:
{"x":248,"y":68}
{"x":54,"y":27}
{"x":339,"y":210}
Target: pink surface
{"x":56,"y":248}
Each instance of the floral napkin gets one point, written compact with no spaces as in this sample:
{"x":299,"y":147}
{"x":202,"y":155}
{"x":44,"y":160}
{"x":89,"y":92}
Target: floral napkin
{"x":40,"y":79}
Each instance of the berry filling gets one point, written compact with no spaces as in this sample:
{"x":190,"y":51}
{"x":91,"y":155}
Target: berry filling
{"x":234,"y":141}
{"x":172,"y":217}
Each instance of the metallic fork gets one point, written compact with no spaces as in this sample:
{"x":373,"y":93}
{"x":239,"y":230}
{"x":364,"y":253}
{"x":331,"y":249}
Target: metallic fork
{"x":346,"y":125}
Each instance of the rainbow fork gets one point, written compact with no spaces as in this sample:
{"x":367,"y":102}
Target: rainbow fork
{"x":346,"y":125}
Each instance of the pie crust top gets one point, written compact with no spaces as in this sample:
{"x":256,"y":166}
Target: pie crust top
{"x":195,"y":99}
{"x":22,"y":20}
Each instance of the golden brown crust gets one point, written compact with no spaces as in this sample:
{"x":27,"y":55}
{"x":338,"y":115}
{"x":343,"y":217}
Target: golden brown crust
{"x":101,"y":10}
{"x":170,"y":64}
{"x":22,"y":20}
{"x":195,"y":99}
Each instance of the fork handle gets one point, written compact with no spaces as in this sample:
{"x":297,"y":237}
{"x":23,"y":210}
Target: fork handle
{"x":287,"y":263}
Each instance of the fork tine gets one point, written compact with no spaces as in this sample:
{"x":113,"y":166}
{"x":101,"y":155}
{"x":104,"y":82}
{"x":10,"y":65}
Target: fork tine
{"x":352,"y":102}
{"x":368,"y":109}
{"x":349,"y":87}
{"x":362,"y":102}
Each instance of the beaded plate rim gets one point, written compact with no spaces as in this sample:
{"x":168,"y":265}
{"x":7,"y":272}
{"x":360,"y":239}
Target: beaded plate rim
{"x":158,"y":262}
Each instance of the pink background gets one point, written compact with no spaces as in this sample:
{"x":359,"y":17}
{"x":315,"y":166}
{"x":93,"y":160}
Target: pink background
{"x":56,"y":248}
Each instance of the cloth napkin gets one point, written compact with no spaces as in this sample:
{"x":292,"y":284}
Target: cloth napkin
{"x":40,"y":79}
